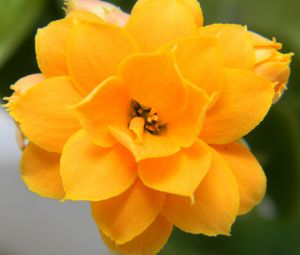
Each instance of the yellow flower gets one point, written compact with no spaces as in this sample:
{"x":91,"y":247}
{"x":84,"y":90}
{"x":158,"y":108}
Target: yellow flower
{"x":143,"y":121}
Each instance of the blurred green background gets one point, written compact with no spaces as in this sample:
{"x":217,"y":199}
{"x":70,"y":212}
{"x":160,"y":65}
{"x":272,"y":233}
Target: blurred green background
{"x":274,"y":227}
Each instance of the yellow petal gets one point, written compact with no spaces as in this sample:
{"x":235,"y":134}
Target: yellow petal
{"x":153,"y":23}
{"x":152,"y":146}
{"x":199,"y":59}
{"x":93,"y":173}
{"x":242,"y":105}
{"x":128,"y":215}
{"x":215,"y":207}
{"x":178,"y":174}
{"x":248,"y":173}
{"x":150,"y":242}
{"x":108,"y":104}
{"x":51,"y":44}
{"x":40,"y":172}
{"x":45,"y":115}
{"x":185,"y":127}
{"x":236,"y":44}
{"x":95,"y":51}
{"x":153,"y":80}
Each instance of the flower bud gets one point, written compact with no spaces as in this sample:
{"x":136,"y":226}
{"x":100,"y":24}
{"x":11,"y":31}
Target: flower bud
{"x":272,"y":64}
{"x":106,"y":11}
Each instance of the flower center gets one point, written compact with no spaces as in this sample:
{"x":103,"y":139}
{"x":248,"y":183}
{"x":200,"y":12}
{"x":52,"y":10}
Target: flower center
{"x":151,"y":118}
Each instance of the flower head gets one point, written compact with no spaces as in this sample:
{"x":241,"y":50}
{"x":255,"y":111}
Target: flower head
{"x":144,"y":120}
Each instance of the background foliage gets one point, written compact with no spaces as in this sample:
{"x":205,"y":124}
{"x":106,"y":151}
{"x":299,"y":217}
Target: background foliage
{"x":274,"y":227}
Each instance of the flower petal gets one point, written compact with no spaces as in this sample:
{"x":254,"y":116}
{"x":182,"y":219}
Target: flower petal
{"x":190,"y":119}
{"x":51,"y":48}
{"x":45,"y":115}
{"x":108,"y":104}
{"x":178,"y":174}
{"x":128,"y":215}
{"x":150,"y":242}
{"x":199,"y":59}
{"x":153,"y":23}
{"x":51,"y":44}
{"x":242,"y":105}
{"x":152,"y":146}
{"x":248,"y":173}
{"x":40,"y":172}
{"x":93,"y":173}
{"x":95,"y":51}
{"x":216,"y":203}
{"x":154,"y":81}
{"x":233,"y":37}
{"x":21,"y":87}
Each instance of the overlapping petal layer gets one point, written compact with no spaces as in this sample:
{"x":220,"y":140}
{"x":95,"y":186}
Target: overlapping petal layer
{"x":178,"y":174}
{"x":93,"y":173}
{"x":153,"y":23}
{"x":152,"y":146}
{"x":194,"y":57}
{"x":148,"y":243}
{"x":154,"y":81}
{"x":40,"y":172}
{"x":95,"y":51}
{"x":128,"y":215}
{"x":191,"y":118}
{"x":248,"y":173}
{"x":242,"y":105}
{"x":236,"y":44}
{"x":46,"y":118}
{"x":108,"y":104}
{"x":51,"y":43}
{"x":215,"y":206}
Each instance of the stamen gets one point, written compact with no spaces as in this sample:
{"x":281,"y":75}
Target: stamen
{"x":150,"y":117}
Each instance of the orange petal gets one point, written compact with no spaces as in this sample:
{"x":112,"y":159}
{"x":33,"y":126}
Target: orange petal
{"x":95,"y":51}
{"x":215,"y":206}
{"x":242,"y":105}
{"x":150,"y":242}
{"x":185,"y":127}
{"x":152,"y":146}
{"x":51,"y":44}
{"x":128,"y":215}
{"x":153,"y":23}
{"x":40,"y":172}
{"x":21,"y":87}
{"x":45,"y":115}
{"x":108,"y":104}
{"x":178,"y":174}
{"x":260,"y":41}
{"x":236,"y":44}
{"x":199,"y":59}
{"x":248,"y":172}
{"x":154,"y":81}
{"x":93,"y":173}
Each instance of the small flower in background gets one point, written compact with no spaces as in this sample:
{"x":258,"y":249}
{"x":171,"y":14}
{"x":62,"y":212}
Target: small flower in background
{"x":106,"y":11}
{"x":142,"y":117}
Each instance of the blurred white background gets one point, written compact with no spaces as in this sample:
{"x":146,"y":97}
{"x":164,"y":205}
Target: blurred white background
{"x":31,"y":225}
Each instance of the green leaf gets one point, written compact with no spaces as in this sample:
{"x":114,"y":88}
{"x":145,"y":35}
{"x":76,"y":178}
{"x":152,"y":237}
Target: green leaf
{"x":17,"y":18}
